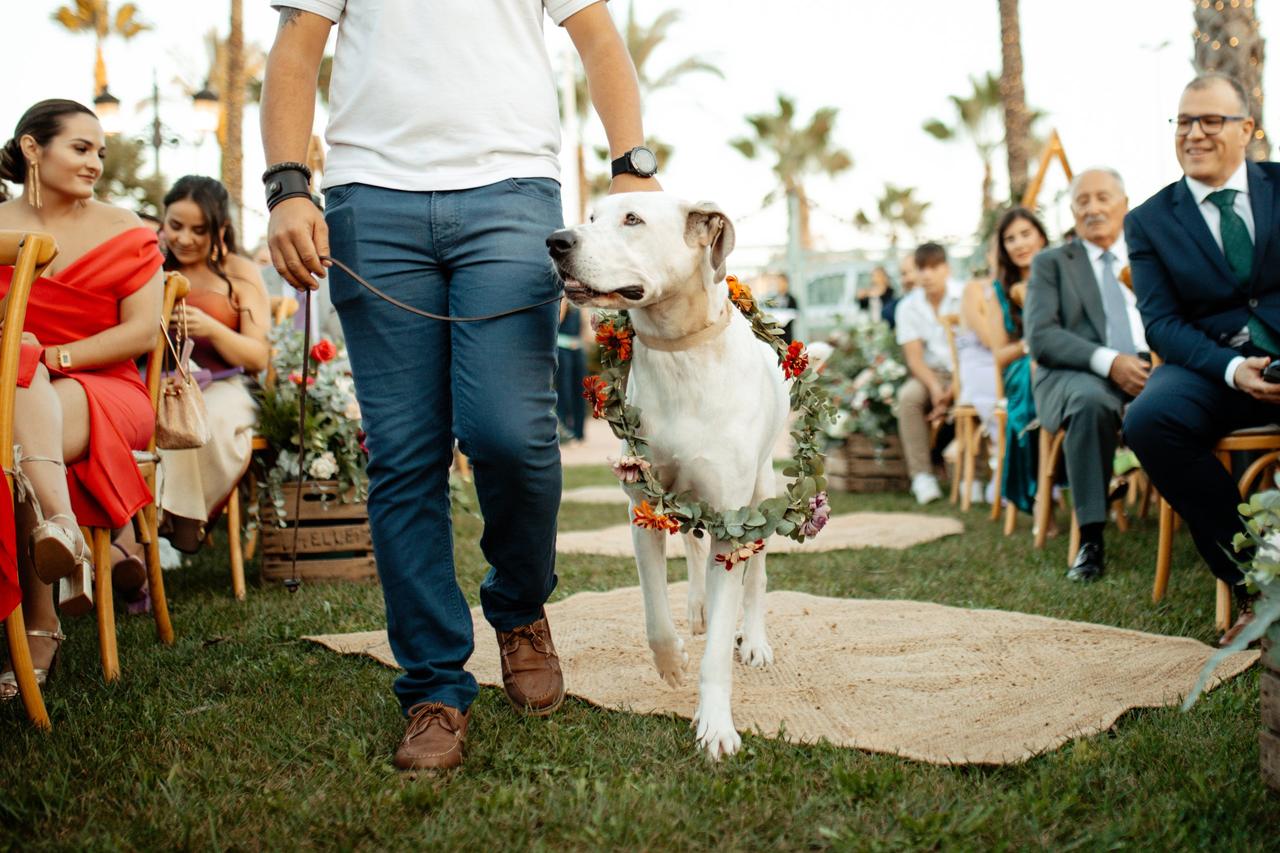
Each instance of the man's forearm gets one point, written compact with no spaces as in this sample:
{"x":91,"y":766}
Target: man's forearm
{"x":611,"y":78}
{"x":288,"y":90}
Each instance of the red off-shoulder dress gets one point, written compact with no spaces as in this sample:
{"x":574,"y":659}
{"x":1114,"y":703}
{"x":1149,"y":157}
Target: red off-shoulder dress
{"x":81,"y":301}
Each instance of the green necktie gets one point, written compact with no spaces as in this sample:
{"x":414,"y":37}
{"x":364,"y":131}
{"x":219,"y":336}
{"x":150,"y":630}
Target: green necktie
{"x":1238,"y":248}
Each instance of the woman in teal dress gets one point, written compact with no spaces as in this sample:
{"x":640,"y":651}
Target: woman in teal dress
{"x":1019,"y":236}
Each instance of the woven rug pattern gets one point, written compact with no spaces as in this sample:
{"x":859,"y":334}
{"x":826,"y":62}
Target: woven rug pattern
{"x":939,"y":684}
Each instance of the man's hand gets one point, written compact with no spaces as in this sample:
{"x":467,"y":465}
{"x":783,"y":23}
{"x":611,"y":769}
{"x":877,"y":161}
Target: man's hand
{"x":1129,"y":373}
{"x":942,"y":398}
{"x":298,"y":236}
{"x":1249,"y":380}
{"x":629,"y":183}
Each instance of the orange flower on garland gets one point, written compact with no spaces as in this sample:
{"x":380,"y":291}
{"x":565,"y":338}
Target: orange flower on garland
{"x":740,"y":294}
{"x":596,"y":391}
{"x":616,"y":341}
{"x":646,"y":517}
{"x":740,"y":555}
{"x":796,"y":361}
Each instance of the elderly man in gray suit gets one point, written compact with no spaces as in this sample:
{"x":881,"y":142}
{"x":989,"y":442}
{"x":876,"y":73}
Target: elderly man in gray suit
{"x":1086,"y":336}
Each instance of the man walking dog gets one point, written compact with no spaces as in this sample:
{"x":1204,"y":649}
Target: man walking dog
{"x":440,"y":190}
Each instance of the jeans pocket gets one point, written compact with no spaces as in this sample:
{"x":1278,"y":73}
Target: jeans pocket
{"x":334,"y":196}
{"x":546,"y":190}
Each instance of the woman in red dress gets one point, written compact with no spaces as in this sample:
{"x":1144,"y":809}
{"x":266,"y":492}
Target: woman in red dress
{"x":81,"y":407}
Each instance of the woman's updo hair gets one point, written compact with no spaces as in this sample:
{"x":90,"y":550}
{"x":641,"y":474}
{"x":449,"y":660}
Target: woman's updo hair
{"x":42,"y":122}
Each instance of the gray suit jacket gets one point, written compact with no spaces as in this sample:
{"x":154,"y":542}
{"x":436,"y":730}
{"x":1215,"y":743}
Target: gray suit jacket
{"x":1065,"y":324}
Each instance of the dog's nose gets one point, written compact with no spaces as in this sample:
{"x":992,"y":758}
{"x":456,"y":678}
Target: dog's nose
{"x":561,"y":242}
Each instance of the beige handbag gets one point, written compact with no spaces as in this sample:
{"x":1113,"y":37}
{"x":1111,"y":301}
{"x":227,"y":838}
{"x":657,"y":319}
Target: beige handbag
{"x":181,"y":422}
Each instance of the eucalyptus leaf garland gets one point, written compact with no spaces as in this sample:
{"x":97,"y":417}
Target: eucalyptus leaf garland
{"x":798,"y":514}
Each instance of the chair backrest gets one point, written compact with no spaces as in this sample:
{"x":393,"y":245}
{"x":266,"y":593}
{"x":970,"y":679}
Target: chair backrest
{"x":29,"y":253}
{"x":950,"y":323}
{"x":176,"y":287}
{"x":282,"y":309}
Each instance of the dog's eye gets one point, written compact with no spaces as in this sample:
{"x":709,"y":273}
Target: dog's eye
{"x":632,"y":219}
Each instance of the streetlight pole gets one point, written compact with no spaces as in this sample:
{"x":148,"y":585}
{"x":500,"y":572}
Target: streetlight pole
{"x":157,"y":135}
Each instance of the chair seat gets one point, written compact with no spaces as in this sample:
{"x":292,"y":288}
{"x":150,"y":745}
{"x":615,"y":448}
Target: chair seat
{"x":1269,"y":429}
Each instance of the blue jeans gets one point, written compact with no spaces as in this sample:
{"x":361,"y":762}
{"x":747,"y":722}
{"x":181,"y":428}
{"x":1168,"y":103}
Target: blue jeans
{"x":421,"y":383}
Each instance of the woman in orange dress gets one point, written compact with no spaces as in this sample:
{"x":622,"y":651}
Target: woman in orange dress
{"x":81,"y":408}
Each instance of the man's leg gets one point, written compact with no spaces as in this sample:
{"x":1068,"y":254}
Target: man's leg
{"x":401,"y":366}
{"x":913,"y":406}
{"x":1172,"y":426}
{"x":1091,"y":417}
{"x":503,"y":384}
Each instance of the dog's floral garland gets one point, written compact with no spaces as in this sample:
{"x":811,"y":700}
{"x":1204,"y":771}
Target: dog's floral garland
{"x":799,"y":514}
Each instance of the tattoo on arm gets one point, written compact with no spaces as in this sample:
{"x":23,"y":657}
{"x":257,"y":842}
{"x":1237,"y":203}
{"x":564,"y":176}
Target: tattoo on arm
{"x":288,"y":16}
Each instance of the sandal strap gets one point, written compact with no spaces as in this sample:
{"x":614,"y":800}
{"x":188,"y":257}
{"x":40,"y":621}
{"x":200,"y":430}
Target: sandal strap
{"x":48,"y":635}
{"x":22,"y":488}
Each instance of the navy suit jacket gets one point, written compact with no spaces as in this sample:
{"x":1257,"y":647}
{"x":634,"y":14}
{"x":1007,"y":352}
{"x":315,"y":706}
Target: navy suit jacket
{"x":1191,"y":302}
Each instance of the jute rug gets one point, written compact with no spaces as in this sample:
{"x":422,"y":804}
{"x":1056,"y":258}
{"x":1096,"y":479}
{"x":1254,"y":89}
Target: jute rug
{"x":932,"y":683}
{"x":851,"y":530}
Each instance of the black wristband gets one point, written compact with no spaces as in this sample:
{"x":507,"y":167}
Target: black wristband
{"x":287,"y":167}
{"x":286,"y":184}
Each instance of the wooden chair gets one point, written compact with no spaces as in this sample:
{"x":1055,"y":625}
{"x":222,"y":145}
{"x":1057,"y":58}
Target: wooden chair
{"x":968,"y":423}
{"x":30,"y":254}
{"x":145,"y":521}
{"x":1264,"y":439}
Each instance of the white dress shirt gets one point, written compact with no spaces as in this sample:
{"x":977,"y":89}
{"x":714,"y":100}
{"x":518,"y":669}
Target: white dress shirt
{"x":1200,"y":191}
{"x":1103,"y":357}
{"x":917,"y":321}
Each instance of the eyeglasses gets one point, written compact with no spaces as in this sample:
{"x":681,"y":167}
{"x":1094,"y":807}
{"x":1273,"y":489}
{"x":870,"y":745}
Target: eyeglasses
{"x":1210,"y":124}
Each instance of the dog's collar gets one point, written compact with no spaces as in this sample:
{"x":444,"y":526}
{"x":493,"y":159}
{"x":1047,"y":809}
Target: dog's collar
{"x":690,"y":341}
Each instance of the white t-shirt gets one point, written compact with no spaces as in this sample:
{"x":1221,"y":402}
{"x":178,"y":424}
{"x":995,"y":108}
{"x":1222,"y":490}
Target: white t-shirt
{"x":440,"y":95}
{"x":915,"y":320}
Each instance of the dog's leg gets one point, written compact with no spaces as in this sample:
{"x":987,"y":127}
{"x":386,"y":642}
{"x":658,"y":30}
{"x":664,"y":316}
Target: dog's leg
{"x":695,"y":553}
{"x":752,"y":640}
{"x":714,"y":719}
{"x":669,"y":655}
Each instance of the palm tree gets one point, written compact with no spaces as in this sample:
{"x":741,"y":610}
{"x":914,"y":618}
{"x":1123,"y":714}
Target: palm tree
{"x":95,"y":16}
{"x":975,"y":118}
{"x":798,"y":153}
{"x":897,"y":210}
{"x":233,"y":109}
{"x":1227,"y":40}
{"x":1013,"y":96}
{"x":641,"y":41}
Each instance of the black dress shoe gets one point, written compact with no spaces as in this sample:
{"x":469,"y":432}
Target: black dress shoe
{"x":1088,"y":564}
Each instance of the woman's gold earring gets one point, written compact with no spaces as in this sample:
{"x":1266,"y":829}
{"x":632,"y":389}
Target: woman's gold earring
{"x":33,"y":185}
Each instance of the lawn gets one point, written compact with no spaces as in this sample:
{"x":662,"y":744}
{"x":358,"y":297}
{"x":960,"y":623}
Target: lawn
{"x":241,"y":736}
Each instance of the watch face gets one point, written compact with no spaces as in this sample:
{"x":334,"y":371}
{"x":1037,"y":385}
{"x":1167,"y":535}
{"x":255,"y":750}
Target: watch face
{"x":643,"y":162}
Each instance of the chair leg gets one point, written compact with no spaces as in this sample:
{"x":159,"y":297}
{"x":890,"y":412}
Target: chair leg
{"x":958,"y":467}
{"x":972,"y":447}
{"x":105,"y":604}
{"x":233,"y":544}
{"x":1122,"y":520}
{"x":1010,"y":519}
{"x":155,"y":577}
{"x":1222,"y":615}
{"x":1044,"y":489}
{"x":1164,"y":551}
{"x":1147,"y":490}
{"x":20,"y":660}
{"x":1073,"y":543}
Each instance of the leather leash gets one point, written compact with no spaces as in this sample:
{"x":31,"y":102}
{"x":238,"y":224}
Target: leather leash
{"x":294,"y":581}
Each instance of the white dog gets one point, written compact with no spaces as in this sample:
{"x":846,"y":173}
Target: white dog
{"x":712,"y":403}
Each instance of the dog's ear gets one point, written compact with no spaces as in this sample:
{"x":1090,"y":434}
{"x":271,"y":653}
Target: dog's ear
{"x":706,"y":225}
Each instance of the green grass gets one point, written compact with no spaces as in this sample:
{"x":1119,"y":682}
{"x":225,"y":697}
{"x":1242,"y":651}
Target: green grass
{"x":242,"y":736}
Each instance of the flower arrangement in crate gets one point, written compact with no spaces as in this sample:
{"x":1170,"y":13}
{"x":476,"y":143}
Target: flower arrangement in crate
{"x":335,"y":441}
{"x":862,"y":377}
{"x":1260,"y":543}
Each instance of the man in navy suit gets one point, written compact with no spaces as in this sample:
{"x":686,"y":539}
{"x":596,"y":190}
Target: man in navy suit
{"x":1206,"y":269}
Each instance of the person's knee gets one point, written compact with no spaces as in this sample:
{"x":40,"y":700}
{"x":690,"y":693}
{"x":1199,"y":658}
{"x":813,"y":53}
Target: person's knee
{"x":1143,"y":424}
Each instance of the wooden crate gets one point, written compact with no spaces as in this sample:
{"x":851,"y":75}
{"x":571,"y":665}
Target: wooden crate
{"x":1269,"y":740}
{"x":859,"y":465}
{"x":334,"y":543}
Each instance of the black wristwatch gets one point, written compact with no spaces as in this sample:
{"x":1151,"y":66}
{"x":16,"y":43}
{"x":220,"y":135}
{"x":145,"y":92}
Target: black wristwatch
{"x":639,"y":161}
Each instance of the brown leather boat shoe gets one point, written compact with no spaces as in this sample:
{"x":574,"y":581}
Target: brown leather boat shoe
{"x":531,"y":674}
{"x":434,"y":737}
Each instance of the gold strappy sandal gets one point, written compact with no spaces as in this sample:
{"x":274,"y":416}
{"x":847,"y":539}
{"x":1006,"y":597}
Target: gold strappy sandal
{"x":58,"y":550}
{"x":9,"y":682}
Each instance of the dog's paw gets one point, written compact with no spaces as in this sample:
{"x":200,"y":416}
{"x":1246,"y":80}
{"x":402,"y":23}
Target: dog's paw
{"x":671,"y":660}
{"x":754,"y":651}
{"x":697,"y":617}
{"x":716,"y":734}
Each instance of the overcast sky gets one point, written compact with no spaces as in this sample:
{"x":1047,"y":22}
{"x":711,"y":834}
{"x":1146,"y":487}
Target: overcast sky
{"x":1107,"y":73}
